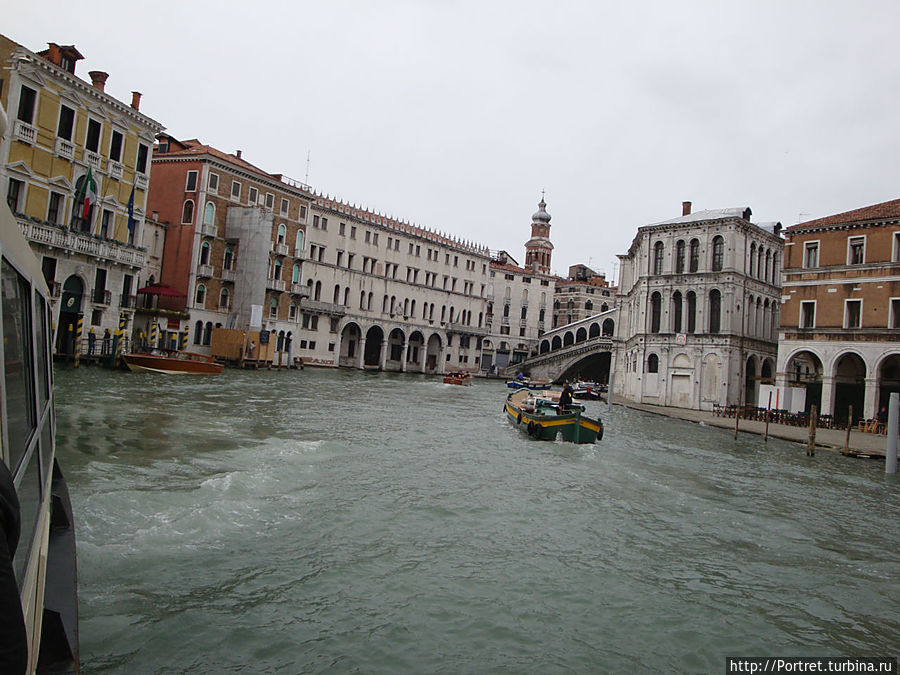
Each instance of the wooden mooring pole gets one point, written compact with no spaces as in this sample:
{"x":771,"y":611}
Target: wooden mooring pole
{"x":847,"y":436}
{"x":737,"y":417}
{"x":811,"y":447}
{"x":768,"y":414}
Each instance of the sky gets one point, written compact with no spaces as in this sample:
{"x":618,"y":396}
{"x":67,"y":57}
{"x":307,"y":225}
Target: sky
{"x":456,"y":115}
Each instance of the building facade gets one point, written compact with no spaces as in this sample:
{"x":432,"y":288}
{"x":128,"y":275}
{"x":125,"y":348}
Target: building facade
{"x":76,"y":169}
{"x":582,"y":294}
{"x":840,"y":318}
{"x":698,"y":310}
{"x":236,"y":237}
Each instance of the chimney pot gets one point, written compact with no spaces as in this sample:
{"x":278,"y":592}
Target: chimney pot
{"x":136,"y":100}
{"x":237,"y":154}
{"x":685,"y":208}
{"x":98,"y":79}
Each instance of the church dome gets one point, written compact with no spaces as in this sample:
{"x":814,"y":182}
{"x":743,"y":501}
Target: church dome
{"x":541,"y":215}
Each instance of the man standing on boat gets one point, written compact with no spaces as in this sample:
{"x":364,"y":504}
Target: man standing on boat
{"x":565,"y":398}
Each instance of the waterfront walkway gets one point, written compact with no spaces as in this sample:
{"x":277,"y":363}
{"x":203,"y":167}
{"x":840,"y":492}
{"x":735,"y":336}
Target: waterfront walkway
{"x":861,"y":443}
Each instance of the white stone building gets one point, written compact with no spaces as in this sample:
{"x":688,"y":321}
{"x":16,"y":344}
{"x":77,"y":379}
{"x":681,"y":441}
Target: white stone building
{"x":698,"y":301}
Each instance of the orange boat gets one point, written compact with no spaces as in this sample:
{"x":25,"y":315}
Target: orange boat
{"x":459,"y":377}
{"x":173,"y":363}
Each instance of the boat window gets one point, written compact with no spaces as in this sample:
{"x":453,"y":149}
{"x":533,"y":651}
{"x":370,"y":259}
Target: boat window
{"x":43,"y":361}
{"x":19,"y":365}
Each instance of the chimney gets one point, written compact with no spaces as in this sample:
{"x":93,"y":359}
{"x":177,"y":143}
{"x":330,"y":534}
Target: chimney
{"x":136,"y":100}
{"x":237,"y":154}
{"x":98,"y":79}
{"x":685,"y":208}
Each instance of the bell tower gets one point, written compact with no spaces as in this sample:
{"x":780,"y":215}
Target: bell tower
{"x":538,"y":249}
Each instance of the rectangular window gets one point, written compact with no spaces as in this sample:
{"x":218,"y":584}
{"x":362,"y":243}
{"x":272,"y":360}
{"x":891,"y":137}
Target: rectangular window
{"x":66,"y":123}
{"x":302,"y":212}
{"x":92,"y":141}
{"x":253,"y":196}
{"x":27,"y":99}
{"x":106,"y":223}
{"x":325,"y":223}
{"x":856,"y":250}
{"x":894,"y":318}
{"x":213,"y":182}
{"x":316,"y":221}
{"x":141,"y":164}
{"x":285,"y":206}
{"x":353,"y":231}
{"x":270,"y":201}
{"x":235,"y":190}
{"x":368,"y":237}
{"x":14,"y":193}
{"x":808,"y":314}
{"x":115,"y":146}
{"x":55,"y":208}
{"x":342,"y":227}
{"x":852,"y":313}
{"x":191,"y":182}
{"x":811,"y":254}
{"x":375,"y":238}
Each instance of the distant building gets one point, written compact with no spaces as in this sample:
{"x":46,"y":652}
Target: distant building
{"x":582,"y":294}
{"x":76,"y":168}
{"x":698,"y":309}
{"x":236,"y":238}
{"x":840,"y":316}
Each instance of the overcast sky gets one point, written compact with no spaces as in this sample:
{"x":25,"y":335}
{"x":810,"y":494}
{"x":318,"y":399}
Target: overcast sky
{"x":455,"y":114}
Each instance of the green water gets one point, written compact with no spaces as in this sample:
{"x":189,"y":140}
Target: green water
{"x":340,"y":521}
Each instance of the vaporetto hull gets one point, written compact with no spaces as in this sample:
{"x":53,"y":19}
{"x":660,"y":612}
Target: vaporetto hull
{"x":536,"y":413}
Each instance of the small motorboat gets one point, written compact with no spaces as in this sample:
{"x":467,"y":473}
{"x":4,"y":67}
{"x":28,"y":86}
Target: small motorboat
{"x":538,"y":413}
{"x":458,"y":377}
{"x":586,"y":390}
{"x":173,"y":363}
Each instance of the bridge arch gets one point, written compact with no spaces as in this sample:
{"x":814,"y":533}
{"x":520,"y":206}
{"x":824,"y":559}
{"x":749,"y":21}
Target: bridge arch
{"x":594,"y":330}
{"x":556,"y":343}
{"x":568,"y":338}
{"x":545,"y":347}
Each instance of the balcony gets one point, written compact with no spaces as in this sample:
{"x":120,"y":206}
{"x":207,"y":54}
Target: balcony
{"x":141,"y":180}
{"x":300,"y":253}
{"x":116,"y":169}
{"x":205,"y":271}
{"x":275,"y":284}
{"x":318,"y":307}
{"x":127,"y":301}
{"x":65,"y":149}
{"x":469,"y":330}
{"x":56,"y":236}
{"x":300,"y":289}
{"x":279,"y":248}
{"x":101,"y":297}
{"x":229,"y":275}
{"x":25,"y":132}
{"x":91,"y":158}
{"x":208,"y":230}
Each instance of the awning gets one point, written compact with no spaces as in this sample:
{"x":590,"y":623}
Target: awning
{"x":162,"y":290}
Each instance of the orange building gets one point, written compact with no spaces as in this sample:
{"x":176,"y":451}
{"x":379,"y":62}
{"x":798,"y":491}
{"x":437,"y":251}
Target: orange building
{"x":839,"y":340}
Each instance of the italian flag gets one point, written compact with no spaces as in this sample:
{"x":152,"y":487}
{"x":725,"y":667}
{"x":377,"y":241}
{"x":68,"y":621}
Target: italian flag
{"x":88,"y":194}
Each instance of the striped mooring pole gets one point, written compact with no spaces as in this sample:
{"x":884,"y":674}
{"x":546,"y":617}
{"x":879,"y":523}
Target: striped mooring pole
{"x":153,"y":329}
{"x":182,"y":340}
{"x":79,"y":331}
{"x":117,"y":340}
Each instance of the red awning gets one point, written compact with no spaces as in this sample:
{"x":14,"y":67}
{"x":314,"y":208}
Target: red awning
{"x":162,"y":290}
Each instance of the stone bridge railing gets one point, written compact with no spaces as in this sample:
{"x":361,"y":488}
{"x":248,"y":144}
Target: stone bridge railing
{"x":566,"y":354}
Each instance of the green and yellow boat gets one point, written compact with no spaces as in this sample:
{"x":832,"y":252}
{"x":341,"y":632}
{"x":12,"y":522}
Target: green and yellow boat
{"x":537,"y":413}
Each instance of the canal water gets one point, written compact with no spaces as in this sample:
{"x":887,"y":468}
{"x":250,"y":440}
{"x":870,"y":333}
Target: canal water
{"x":341,"y":521}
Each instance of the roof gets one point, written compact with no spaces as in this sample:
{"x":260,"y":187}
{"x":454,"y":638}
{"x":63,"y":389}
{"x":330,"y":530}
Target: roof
{"x":742,"y":212}
{"x":883,"y":211}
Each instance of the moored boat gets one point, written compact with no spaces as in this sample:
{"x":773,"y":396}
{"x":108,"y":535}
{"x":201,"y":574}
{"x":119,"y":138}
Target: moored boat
{"x":458,"y":377}
{"x":537,"y":412}
{"x":173,"y":363}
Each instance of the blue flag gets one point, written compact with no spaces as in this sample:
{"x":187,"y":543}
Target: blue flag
{"x":131,"y":212}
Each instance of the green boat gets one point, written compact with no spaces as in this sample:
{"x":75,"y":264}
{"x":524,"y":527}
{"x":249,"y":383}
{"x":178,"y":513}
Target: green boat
{"x":537,"y":413}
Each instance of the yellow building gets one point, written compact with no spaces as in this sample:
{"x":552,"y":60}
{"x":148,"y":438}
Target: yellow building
{"x":76,"y":168}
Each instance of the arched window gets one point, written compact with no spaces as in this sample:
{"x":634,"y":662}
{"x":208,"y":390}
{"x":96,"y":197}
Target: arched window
{"x":588,"y":305}
{"x":362,"y":299}
{"x":604,"y":307}
{"x":198,"y":332}
{"x":292,"y":311}
{"x":679,"y":257}
{"x":691,"y":311}
{"x":760,"y":261}
{"x":676,"y":311}
{"x":369,"y":304}
{"x":204,"y":253}
{"x":384,"y":306}
{"x":187,"y":212}
{"x":336,"y":296}
{"x":298,"y":242}
{"x":775,"y":275}
{"x":209,"y":214}
{"x":228,"y":259}
{"x":695,"y":255}
{"x":276,"y":270}
{"x":412,"y":308}
{"x":768,"y":264}
{"x":658,"y":251}
{"x":752,"y":259}
{"x":655,"y":312}
{"x":223,"y":300}
{"x":273,"y":308}
{"x":282,"y":233}
{"x":653,"y":363}
{"x":715,"y":310}
{"x":200,"y":296}
{"x":318,"y":292}
{"x":295,"y":274}
{"x":347,"y":297}
{"x":718,"y":253}
{"x":207,"y":334}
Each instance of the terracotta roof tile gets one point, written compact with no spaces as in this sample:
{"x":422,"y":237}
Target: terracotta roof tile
{"x":882,"y":211}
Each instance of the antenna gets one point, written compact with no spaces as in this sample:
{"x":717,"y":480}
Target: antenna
{"x":306,"y":179}
{"x":800,"y":217}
